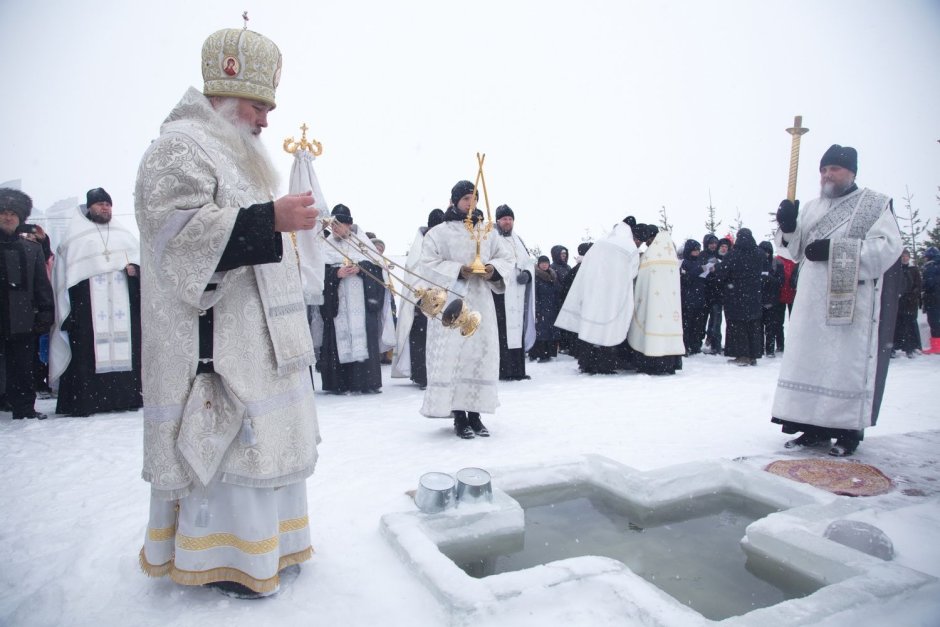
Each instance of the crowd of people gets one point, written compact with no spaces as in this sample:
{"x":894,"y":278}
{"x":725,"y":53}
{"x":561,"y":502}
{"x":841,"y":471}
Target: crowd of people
{"x":75,"y":313}
{"x":234,"y":298}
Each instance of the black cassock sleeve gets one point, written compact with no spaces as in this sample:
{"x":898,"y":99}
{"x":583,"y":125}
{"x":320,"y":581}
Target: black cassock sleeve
{"x":374,"y":291}
{"x":330,"y":306}
{"x":254,"y":240}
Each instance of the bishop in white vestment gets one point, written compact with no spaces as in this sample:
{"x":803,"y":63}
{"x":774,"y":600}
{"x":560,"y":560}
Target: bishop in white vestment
{"x":230,"y":427}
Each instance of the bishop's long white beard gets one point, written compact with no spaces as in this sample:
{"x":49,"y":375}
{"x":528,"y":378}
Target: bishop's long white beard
{"x":254,"y":156}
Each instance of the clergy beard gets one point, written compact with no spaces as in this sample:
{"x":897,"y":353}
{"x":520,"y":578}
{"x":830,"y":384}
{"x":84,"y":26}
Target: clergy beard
{"x":99,"y":219}
{"x":254,"y":156}
{"x":831,"y":189}
{"x":502,"y":232}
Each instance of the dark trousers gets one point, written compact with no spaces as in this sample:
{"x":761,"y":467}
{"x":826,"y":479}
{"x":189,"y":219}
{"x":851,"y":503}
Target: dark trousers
{"x":713,"y":327}
{"x":20,"y":353}
{"x":933,"y":319}
{"x":773,"y":328}
{"x":693,"y":328}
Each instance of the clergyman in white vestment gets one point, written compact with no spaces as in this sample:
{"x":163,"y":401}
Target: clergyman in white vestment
{"x":848,"y":245}
{"x":463,"y":371}
{"x":230,"y":427}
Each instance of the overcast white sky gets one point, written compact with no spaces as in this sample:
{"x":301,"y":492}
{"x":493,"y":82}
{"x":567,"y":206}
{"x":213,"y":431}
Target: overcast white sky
{"x":588,"y":111}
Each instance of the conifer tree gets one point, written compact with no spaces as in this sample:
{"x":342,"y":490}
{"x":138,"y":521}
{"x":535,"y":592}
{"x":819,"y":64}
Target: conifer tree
{"x":912,"y":227}
{"x":664,"y":220}
{"x":711,"y":220}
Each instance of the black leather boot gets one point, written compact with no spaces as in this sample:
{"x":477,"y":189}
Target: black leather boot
{"x":462,"y":425}
{"x":477,"y":425}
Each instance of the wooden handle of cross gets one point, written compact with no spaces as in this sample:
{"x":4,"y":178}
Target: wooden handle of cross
{"x":797,"y":131}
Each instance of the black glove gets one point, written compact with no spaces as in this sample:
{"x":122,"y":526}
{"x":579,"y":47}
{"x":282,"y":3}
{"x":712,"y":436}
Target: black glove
{"x":817,"y":250}
{"x":786,"y":215}
{"x":523,"y":277}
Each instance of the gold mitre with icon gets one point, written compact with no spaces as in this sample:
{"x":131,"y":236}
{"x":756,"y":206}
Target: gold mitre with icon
{"x":241,"y":63}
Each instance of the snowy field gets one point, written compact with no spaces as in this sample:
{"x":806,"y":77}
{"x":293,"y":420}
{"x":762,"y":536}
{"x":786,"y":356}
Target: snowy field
{"x":73,"y":508}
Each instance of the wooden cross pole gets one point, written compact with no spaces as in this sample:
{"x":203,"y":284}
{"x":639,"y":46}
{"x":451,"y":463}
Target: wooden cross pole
{"x":797,"y":131}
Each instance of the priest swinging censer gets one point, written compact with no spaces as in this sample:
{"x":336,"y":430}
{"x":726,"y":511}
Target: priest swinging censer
{"x":432,"y":299}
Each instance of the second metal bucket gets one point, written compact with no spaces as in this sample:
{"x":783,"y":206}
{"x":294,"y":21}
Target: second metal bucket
{"x":435,"y":493}
{"x":473,"y":486}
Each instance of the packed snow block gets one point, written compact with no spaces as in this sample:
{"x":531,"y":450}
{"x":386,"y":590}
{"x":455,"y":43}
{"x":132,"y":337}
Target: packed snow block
{"x":421,"y":539}
{"x":789,"y":542}
{"x":485,"y":529}
{"x":861,"y":536}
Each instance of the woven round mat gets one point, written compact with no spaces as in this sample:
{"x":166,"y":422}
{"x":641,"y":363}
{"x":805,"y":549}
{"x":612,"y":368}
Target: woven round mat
{"x":838,"y":477}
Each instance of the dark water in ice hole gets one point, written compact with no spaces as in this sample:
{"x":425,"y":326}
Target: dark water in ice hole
{"x":691,"y":552}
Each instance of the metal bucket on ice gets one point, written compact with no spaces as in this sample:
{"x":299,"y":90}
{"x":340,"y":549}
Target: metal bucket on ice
{"x":474,"y":486}
{"x":436,"y":492}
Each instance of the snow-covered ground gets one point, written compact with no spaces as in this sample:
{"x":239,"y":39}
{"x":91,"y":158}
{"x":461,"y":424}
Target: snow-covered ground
{"x":73,"y":508}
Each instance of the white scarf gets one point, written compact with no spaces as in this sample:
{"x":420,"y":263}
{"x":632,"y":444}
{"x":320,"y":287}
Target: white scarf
{"x":88,"y":250}
{"x":350,"y":321}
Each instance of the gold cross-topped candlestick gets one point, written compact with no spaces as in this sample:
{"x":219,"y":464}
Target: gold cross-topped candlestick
{"x":478,"y":232}
{"x":797,"y":131}
{"x":312,"y":146}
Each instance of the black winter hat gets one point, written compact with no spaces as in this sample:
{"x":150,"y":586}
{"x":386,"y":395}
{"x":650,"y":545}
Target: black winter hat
{"x":461,"y":189}
{"x":641,"y":232}
{"x":16,"y":201}
{"x":584,"y":247}
{"x":435,"y":217}
{"x":342,"y":214}
{"x":97,"y":195}
{"x":767,"y":247}
{"x":544,"y":258}
{"x":844,"y":156}
{"x":503,"y":210}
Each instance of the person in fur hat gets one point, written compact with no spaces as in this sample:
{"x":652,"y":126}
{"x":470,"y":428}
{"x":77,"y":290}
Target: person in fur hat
{"x":26,"y":305}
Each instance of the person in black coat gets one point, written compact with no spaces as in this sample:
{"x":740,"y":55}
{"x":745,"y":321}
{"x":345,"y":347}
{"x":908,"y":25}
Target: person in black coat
{"x":27,"y":306}
{"x":740,"y":275}
{"x":711,"y":258}
{"x":906,"y":333}
{"x":692,"y":285}
{"x":771,"y":280}
{"x":561,"y":269}
{"x":931,"y":298}
{"x":546,"y":309}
